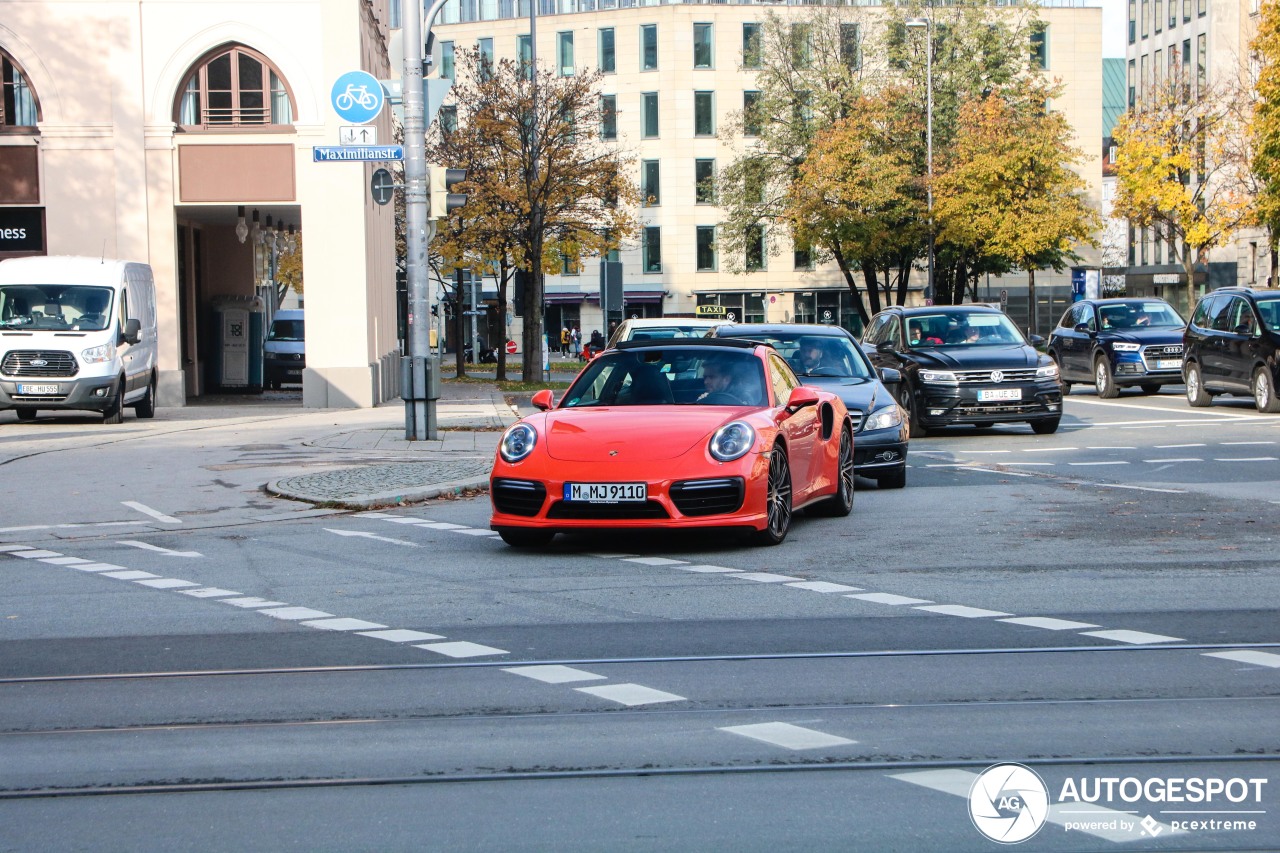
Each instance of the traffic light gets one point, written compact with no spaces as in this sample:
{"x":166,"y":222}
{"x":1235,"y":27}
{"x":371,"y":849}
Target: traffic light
{"x":444,"y":202}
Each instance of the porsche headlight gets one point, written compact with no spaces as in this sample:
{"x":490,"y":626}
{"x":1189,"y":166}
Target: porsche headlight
{"x":732,"y":441}
{"x":1047,"y":371}
{"x":884,"y":418}
{"x":94,"y":355}
{"x":518,"y":442}
{"x":1120,"y":346}
{"x":939,"y":377}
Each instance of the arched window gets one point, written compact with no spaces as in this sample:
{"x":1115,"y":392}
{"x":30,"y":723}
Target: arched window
{"x":18,"y":106}
{"x":234,"y":87}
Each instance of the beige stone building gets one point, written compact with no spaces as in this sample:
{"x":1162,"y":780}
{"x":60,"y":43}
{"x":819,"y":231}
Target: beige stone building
{"x":139,"y":130}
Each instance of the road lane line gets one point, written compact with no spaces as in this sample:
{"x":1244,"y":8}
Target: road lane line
{"x":401,"y":635}
{"x":1048,"y":623}
{"x":1111,"y":448}
{"x":889,"y":598}
{"x":1046,"y":449}
{"x":553,"y":673}
{"x":295,"y":614}
{"x":65,"y":561}
{"x":654,"y":561}
{"x":1137,"y":638}
{"x":1245,"y":459}
{"x":373,"y":536}
{"x":34,"y":554}
{"x":1181,"y":415}
{"x":961,"y":610}
{"x":763,"y":577}
{"x":251,"y":602}
{"x":1178,"y":446}
{"x":825,"y":586}
{"x":1247,"y":656}
{"x":708,"y":569}
{"x":209,"y":592}
{"x":1242,"y":443}
{"x":342,"y":623}
{"x":166,"y":583}
{"x":154,"y":513}
{"x":787,"y":736}
{"x":147,"y":546}
{"x":630,"y":694}
{"x":462,"y":649}
{"x":1086,"y":464}
{"x":1174,"y":459}
{"x":128,"y":575}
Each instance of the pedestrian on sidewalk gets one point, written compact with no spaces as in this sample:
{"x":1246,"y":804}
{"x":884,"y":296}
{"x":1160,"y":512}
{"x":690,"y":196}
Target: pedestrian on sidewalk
{"x":575,"y":342}
{"x":564,"y":340}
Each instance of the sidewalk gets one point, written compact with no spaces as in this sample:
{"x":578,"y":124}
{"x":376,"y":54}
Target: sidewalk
{"x":470,"y":417}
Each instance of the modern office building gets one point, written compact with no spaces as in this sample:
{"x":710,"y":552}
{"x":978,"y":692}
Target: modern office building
{"x":673,"y":75}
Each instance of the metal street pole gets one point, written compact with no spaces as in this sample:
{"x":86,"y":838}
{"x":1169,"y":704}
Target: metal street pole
{"x":420,"y":374}
{"x":927,"y":24}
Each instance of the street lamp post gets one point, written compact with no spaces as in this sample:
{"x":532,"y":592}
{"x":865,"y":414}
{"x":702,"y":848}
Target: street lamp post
{"x":927,"y":25}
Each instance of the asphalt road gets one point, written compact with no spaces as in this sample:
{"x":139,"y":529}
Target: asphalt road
{"x":1096,"y":604}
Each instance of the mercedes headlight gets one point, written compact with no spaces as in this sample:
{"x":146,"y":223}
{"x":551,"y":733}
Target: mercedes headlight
{"x":1120,"y":346}
{"x":1047,"y":371}
{"x":94,"y":355}
{"x":884,"y":418}
{"x":939,"y":377}
{"x":518,"y":442}
{"x":732,"y":441}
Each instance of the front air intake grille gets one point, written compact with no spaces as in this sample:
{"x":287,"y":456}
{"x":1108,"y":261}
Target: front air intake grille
{"x":708,"y":497}
{"x":518,"y":497}
{"x":606,"y":512}
{"x":22,"y":362}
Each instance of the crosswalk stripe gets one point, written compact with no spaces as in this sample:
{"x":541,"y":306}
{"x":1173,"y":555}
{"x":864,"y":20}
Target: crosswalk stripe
{"x":788,"y":736}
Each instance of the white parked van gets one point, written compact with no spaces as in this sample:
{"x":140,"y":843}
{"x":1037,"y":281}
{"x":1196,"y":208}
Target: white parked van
{"x":284,"y":354}
{"x":77,"y":333}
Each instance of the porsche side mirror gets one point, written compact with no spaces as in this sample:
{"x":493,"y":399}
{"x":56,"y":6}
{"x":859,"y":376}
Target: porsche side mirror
{"x":544,"y":399}
{"x":801,"y":397}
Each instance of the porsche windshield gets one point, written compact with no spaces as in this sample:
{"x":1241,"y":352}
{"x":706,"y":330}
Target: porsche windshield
{"x":54,"y":307}
{"x":675,"y":376}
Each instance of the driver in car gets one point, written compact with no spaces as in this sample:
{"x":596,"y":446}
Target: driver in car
{"x":812,"y":356}
{"x":720,"y":378}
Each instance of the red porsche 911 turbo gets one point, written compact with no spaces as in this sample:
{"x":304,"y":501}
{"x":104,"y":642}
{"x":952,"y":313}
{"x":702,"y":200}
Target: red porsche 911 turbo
{"x":675,"y":434}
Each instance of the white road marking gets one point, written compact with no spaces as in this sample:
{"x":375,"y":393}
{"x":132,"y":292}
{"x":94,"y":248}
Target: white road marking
{"x":128,"y":575}
{"x":949,"y":465}
{"x":1087,"y":464}
{"x":98,"y":567}
{"x":654,"y":561}
{"x":888,"y":598}
{"x":4,"y":549}
{"x":1047,"y":622}
{"x":1174,"y":459}
{"x":961,"y":610}
{"x":1046,"y":449}
{"x":478,"y":531}
{"x":824,"y":586}
{"x":167,"y":583}
{"x":462,"y":649}
{"x":64,"y":561}
{"x":984,"y":451}
{"x":1111,"y":448}
{"x":764,"y":577}
{"x":156,"y":514}
{"x":630,"y":694}
{"x":252,"y":602}
{"x":147,"y":546}
{"x":401,"y":635}
{"x":209,"y":592}
{"x":302,"y":513}
{"x":553,"y":673}
{"x":605,"y":555}
{"x":1176,"y":446}
{"x":788,"y":736}
{"x":1245,"y":459}
{"x":1003,"y":472}
{"x":1162,"y":409}
{"x":708,"y":569}
{"x":397,"y":519}
{"x":295,"y":614}
{"x":35,"y":555}
{"x":1242,"y":443}
{"x":441,"y":525}
{"x":960,"y":782}
{"x":1136,"y":637}
{"x":343,"y":624}
{"x":1137,"y":488}
{"x":1246,"y":656}
{"x":1034,"y":464}
{"x":364,"y":535}
{"x":66,"y":526}
{"x":373,"y":514}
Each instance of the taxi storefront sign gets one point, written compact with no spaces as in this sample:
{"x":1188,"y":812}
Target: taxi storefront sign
{"x":710,"y":311}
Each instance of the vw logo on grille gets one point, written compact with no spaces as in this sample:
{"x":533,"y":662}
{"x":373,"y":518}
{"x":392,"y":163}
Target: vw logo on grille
{"x":39,"y":362}
{"x":997,"y":376}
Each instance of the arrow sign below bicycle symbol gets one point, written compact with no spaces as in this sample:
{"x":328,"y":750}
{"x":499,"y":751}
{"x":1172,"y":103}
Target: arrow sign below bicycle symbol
{"x":357,"y":97}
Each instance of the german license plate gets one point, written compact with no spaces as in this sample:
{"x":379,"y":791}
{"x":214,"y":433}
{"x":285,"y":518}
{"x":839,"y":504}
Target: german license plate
{"x":990,"y":394}
{"x":33,"y":390}
{"x":606,"y":493}
{"x":1168,"y":363}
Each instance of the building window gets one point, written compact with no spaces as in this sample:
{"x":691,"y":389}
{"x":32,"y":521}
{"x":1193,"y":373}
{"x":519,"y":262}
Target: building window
{"x":1173,"y":13}
{"x":234,"y":87}
{"x":564,"y":53}
{"x":485,"y":48}
{"x":1133,"y":20}
{"x":704,"y":177}
{"x":1202,"y":8}
{"x":851,"y":45}
{"x":652,"y":260}
{"x":1144,"y":87}
{"x":754,"y":248}
{"x":1157,"y":71}
{"x":1040,"y":47}
{"x":1132,"y":86}
{"x":706,"y":248}
{"x":750,"y":120}
{"x":750,"y":45}
{"x":570,"y":265}
{"x":609,"y":116}
{"x":704,"y":116}
{"x":446,"y":60}
{"x":1159,"y":16}
{"x":1186,"y":11}
{"x":18,"y":106}
{"x":448,"y":119}
{"x":1202,"y":60}
{"x":650,"y":183}
{"x":649,"y":115}
{"x":703,"y":45}
{"x":608,"y":56}
{"x":649,"y":47}
{"x":1146,"y":18}
{"x":524,"y":50}
{"x":803,"y":257}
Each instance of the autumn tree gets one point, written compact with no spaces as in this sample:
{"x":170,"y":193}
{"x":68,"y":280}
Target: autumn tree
{"x":1007,"y":190}
{"x":1265,"y":127}
{"x":541,"y":184}
{"x":1173,"y":172}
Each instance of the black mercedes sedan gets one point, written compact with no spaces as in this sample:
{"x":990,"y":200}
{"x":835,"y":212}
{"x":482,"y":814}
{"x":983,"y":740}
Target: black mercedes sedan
{"x":828,"y":357}
{"x":1118,"y":343}
{"x":965,"y":364}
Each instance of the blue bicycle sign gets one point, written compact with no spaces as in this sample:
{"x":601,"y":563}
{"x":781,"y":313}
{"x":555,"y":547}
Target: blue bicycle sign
{"x":357,"y":97}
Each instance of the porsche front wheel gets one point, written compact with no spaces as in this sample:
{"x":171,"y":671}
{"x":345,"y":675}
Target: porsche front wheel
{"x":778,"y":500}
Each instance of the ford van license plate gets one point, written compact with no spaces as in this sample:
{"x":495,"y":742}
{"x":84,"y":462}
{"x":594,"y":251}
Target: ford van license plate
{"x":34,"y":390}
{"x":606,"y":493}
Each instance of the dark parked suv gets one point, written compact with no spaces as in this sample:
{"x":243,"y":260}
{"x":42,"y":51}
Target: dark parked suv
{"x":1117,"y":343}
{"x":1231,"y":346}
{"x":965,"y":364}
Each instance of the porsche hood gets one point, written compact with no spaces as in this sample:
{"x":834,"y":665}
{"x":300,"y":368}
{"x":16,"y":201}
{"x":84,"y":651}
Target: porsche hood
{"x":647,"y":434}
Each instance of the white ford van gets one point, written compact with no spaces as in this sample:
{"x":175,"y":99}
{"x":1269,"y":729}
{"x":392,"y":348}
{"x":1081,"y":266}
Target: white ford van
{"x":284,"y":354}
{"x":77,"y":333}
